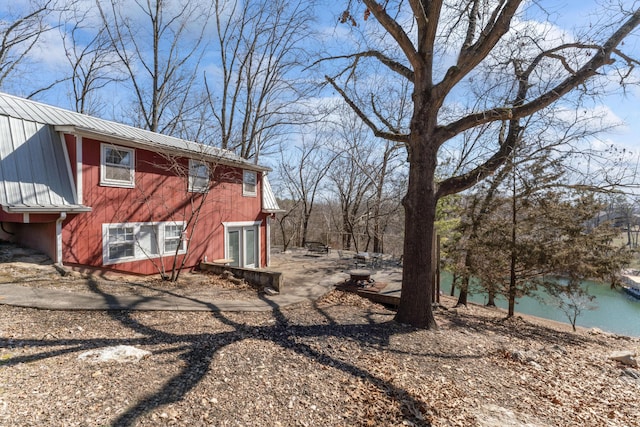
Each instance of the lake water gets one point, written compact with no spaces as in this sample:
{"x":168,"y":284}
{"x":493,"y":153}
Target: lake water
{"x":614,"y":310}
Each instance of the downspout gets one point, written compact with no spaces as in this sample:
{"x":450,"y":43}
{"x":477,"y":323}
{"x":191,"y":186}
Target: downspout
{"x":268,"y":239}
{"x":59,"y":221}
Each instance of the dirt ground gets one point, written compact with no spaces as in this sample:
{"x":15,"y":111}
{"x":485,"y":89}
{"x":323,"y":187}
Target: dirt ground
{"x":341,"y":361}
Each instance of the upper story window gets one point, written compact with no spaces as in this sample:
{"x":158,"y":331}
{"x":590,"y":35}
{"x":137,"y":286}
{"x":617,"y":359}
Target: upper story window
{"x":117,"y":166}
{"x":198,"y":176}
{"x":249,"y":183}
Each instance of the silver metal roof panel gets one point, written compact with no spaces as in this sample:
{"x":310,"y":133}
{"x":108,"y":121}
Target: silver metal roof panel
{"x":33,"y":169}
{"x":24,"y":109}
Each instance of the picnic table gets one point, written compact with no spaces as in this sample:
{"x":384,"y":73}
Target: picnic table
{"x":317,"y":247}
{"x":372,"y":260}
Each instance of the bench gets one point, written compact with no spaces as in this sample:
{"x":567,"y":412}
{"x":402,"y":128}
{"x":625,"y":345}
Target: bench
{"x":317,"y":247}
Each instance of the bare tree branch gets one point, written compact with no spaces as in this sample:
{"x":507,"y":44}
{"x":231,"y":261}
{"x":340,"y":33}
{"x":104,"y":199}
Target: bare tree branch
{"x":394,"y":66}
{"x":377,"y":132}
{"x":394,"y":29}
{"x":601,"y":58}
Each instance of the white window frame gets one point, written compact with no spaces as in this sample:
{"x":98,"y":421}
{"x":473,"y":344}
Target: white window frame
{"x":172,"y":237}
{"x":247,"y":192}
{"x":242,"y":226}
{"x":194,"y":168}
{"x":110,"y":182}
{"x":132,"y":242}
{"x":139,"y":253}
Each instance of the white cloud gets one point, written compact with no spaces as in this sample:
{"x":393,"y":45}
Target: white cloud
{"x":49,"y":52}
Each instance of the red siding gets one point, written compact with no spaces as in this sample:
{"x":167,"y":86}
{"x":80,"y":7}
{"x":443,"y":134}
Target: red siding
{"x":33,"y":217}
{"x":159,"y":195}
{"x":40,"y":236}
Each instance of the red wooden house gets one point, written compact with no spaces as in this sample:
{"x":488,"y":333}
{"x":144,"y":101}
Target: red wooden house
{"x":90,"y":192}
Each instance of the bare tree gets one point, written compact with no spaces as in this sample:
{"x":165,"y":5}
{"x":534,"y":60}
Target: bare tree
{"x":195,"y":178}
{"x":572,"y":303}
{"x":289,"y":222}
{"x":94,"y":64}
{"x":352,"y":187}
{"x":302,"y":171}
{"x":254,"y":96}
{"x":20,"y":31}
{"x":160,"y":44}
{"x":441,"y":48}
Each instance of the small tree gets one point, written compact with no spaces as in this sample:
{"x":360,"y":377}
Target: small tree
{"x":188,"y":180}
{"x":289,"y":222}
{"x":572,"y":300}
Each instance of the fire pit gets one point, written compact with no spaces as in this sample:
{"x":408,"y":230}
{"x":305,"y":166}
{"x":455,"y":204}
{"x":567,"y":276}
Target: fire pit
{"x":360,"y":282}
{"x":360,"y":278}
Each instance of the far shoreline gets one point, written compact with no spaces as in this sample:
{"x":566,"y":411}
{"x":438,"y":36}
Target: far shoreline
{"x":535,"y":320}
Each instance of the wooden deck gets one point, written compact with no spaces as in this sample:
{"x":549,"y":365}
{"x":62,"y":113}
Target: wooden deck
{"x":390,"y":298}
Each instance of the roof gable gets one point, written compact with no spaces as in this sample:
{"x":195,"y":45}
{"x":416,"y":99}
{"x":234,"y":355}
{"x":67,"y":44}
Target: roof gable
{"x":72,"y":122}
{"x":269,"y":201}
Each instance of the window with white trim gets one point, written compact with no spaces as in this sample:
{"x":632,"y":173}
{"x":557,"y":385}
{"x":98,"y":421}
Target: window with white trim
{"x":198,"y":176}
{"x":249,"y":183}
{"x":139,"y":241}
{"x":121,"y":242}
{"x":117,"y":166}
{"x":172,"y":237}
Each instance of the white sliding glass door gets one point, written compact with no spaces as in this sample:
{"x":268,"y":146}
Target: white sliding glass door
{"x":242,"y":244}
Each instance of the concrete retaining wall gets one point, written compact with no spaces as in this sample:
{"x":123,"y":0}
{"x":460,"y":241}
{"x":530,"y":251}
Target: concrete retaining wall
{"x":262,"y":278}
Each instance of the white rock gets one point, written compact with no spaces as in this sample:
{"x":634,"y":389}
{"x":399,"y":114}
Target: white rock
{"x":121,"y":353}
{"x":626,"y":357}
{"x":493,"y":415}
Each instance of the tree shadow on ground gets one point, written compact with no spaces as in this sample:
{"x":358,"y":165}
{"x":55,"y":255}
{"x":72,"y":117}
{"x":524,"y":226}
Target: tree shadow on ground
{"x":516,"y":327}
{"x":198,"y":350}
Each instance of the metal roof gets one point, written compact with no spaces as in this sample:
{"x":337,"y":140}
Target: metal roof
{"x":34,"y":170}
{"x":34,"y":174}
{"x":269,"y":202}
{"x":72,"y":122}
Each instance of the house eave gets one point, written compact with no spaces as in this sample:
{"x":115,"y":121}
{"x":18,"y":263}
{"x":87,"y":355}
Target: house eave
{"x":132,"y":142}
{"x":46,"y":209}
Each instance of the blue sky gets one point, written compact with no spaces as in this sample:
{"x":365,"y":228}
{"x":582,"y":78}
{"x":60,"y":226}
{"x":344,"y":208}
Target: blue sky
{"x":624,"y":108}
{"x":623,"y":104}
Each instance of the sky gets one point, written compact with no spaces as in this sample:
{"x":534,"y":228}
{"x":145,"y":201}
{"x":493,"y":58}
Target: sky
{"x":568,"y":14}
{"x":624,"y":105}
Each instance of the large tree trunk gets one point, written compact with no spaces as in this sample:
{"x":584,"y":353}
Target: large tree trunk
{"x":512,"y":283}
{"x":512,"y":262}
{"x":512,"y":298}
{"x":305,"y":227}
{"x":452,"y":292}
{"x":420,"y":212}
{"x":377,"y":241}
{"x":491,"y":296}
{"x":464,"y":293}
{"x":464,"y":286}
